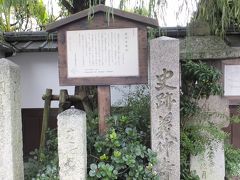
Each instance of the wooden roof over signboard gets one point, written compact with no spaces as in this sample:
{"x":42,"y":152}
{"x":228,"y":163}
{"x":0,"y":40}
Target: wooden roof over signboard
{"x":105,"y":9}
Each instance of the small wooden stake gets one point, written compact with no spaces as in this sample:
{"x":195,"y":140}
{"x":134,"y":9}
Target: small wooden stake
{"x":46,"y":113}
{"x":104,"y":103}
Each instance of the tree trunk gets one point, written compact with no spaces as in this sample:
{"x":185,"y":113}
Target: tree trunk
{"x":88,"y":96}
{"x":79,"y":5}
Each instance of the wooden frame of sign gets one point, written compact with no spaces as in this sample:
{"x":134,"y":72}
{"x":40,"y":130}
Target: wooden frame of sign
{"x":80,"y":64}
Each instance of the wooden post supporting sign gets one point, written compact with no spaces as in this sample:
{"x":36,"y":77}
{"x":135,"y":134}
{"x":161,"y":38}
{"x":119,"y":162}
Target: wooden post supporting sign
{"x":104,"y":104}
{"x":46,"y":113}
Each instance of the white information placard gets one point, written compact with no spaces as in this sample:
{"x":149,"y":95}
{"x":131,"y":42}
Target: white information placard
{"x":232,"y":80}
{"x":102,"y":53}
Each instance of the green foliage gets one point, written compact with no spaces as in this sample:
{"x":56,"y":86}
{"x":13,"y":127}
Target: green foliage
{"x":121,"y":153}
{"x":38,"y":11}
{"x":18,"y":15}
{"x":143,"y":11}
{"x":220,"y":14}
{"x":234,"y":118}
{"x":45,"y":165}
{"x":198,"y":81}
{"x":232,"y":155}
{"x":232,"y":159}
{"x":137,"y":111}
{"x":151,"y":8}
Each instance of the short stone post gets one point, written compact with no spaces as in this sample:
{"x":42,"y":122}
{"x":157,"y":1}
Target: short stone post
{"x":209,"y":168}
{"x":72,"y":145}
{"x":165,"y":108}
{"x":11,"y":153}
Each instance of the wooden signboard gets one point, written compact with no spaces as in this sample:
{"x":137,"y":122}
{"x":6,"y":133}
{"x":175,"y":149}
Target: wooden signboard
{"x":104,"y":51}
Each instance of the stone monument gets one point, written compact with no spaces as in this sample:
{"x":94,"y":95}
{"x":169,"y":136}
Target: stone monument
{"x":213,"y":167}
{"x":11,"y":154}
{"x":165,"y":108}
{"x":72,"y":145}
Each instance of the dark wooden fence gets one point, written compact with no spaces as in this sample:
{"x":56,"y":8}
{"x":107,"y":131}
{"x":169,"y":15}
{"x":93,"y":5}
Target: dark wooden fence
{"x":32,"y":124}
{"x":234,"y":129}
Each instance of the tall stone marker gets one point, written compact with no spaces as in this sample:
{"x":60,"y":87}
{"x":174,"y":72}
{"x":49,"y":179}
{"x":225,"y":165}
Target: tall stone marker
{"x":72,"y":145}
{"x":11,"y":154}
{"x":165,"y":108}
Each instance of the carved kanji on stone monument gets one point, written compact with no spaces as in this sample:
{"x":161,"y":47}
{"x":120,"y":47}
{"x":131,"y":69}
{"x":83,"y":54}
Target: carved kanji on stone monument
{"x":165,"y":111}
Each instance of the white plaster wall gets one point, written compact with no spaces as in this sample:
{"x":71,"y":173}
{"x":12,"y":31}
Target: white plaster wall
{"x":38,"y":72}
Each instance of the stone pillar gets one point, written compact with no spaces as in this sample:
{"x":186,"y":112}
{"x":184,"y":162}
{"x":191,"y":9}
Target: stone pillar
{"x":72,"y":145}
{"x":165,"y":106}
{"x":11,"y":154}
{"x":214,"y":167}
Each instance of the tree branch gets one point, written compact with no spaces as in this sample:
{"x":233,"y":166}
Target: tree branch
{"x":67,"y":6}
{"x":14,"y":24}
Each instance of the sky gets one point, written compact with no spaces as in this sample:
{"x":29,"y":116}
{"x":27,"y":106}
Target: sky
{"x":169,"y":18}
